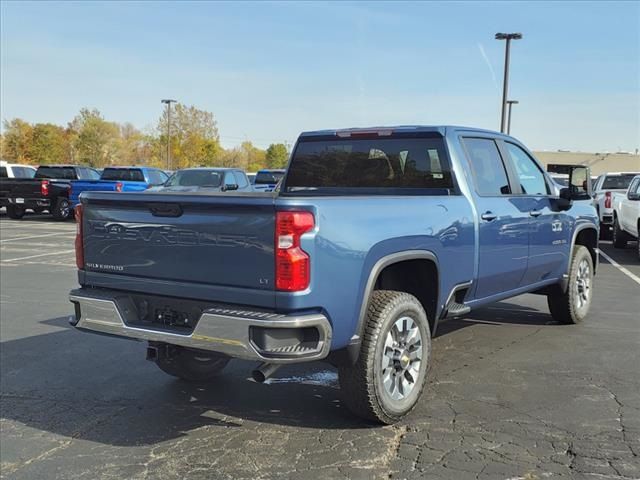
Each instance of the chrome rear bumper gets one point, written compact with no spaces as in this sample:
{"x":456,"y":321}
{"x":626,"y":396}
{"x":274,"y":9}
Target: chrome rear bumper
{"x":223,"y":331}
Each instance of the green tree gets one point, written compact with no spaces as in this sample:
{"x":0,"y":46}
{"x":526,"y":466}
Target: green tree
{"x":49,"y":144}
{"x":194,"y":137}
{"x":97,"y":141}
{"x":16,"y":145}
{"x":277,"y":155}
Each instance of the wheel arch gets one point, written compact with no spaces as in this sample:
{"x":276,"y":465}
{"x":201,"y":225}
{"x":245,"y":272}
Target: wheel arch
{"x":586,"y":236}
{"x":391,"y":273}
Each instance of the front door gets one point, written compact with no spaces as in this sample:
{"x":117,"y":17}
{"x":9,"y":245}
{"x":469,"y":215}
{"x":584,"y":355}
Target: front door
{"x":549,"y":230}
{"x":503,"y":224}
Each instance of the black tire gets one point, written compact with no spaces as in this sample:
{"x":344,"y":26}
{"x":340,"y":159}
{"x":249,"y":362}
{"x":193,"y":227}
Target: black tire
{"x":572,"y":306}
{"x":363,"y":390}
{"x":62,"y":210}
{"x":16,"y":212}
{"x":192,"y":365}
{"x":619,"y":236}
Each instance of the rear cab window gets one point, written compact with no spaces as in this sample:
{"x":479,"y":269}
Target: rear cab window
{"x":617,"y":182}
{"x":66,"y":173}
{"x":409,"y":164}
{"x":123,"y":174}
{"x":266,"y":177}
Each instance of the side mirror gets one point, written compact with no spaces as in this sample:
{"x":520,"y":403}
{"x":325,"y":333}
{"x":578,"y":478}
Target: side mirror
{"x":579,"y":182}
{"x":229,"y":187}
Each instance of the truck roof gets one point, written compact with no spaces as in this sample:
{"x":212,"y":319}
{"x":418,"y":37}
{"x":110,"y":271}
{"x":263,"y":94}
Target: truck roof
{"x":439,"y":129}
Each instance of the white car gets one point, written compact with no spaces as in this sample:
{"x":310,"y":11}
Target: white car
{"x":626,"y":215}
{"x":13,"y":170}
{"x":603,"y":190}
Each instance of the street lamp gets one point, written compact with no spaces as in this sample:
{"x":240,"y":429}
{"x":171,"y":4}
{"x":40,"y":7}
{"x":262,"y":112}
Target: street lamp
{"x":168,"y":102}
{"x":505,"y":86}
{"x":510,"y":103}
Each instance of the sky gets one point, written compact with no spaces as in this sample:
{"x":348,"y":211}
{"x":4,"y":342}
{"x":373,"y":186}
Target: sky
{"x":271,"y":70}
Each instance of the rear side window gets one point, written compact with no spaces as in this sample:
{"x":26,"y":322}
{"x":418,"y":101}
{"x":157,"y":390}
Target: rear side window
{"x":124,"y":174}
{"x":67,"y":173}
{"x":23,"y":172}
{"x":3,"y":172}
{"x":489,"y":171}
{"x":402,"y":164}
{"x":617,"y":182}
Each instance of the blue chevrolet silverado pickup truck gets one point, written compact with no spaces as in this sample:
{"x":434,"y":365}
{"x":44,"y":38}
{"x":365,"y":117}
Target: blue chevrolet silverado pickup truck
{"x":119,"y":179}
{"x":374,"y":237}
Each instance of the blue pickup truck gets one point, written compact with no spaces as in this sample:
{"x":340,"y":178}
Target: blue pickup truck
{"x":119,"y":179}
{"x":374,"y":238}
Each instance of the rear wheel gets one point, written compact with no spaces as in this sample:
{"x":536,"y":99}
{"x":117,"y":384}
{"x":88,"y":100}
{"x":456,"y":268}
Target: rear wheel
{"x":386,"y":382}
{"x":619,"y":236}
{"x":16,"y":212}
{"x":62,"y":209}
{"x":192,"y":365}
{"x":572,"y":306}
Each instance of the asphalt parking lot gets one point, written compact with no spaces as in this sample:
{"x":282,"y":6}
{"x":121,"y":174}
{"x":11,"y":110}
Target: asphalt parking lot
{"x":512,"y":395}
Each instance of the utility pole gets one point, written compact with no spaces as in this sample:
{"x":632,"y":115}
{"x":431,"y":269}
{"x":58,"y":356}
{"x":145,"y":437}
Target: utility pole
{"x":168,"y":102}
{"x":505,"y":84}
{"x":510,"y":103}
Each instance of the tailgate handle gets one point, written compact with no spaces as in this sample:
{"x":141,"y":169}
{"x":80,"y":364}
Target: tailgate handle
{"x":165,"y":210}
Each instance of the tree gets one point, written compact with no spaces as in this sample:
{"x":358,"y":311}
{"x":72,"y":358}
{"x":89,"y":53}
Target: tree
{"x":277,"y":155}
{"x":97,"y":140}
{"x":16,"y":144}
{"x":49,"y":144}
{"x":194,"y":137}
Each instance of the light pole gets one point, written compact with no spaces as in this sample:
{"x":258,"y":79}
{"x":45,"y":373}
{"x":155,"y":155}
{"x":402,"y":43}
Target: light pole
{"x":168,"y":102}
{"x":510,"y":103}
{"x":505,"y":86}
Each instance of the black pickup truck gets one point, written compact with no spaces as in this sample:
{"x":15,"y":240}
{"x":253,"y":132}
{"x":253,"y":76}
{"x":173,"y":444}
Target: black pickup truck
{"x":47,"y":191}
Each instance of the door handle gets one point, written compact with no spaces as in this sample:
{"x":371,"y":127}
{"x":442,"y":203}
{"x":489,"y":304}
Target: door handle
{"x":488,"y":216}
{"x":535,"y":213}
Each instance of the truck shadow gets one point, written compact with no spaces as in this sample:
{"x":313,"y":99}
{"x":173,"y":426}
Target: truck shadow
{"x":102,"y":390}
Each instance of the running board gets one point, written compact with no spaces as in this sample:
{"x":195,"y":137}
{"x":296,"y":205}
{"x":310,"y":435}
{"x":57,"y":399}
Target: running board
{"x":455,"y":310}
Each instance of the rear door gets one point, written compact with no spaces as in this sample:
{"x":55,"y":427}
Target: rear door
{"x":549,"y":230}
{"x":503,"y":224}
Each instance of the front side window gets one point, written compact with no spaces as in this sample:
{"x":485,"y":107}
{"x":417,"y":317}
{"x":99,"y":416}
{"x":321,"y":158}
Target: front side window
{"x":241,"y":180}
{"x":195,"y":178}
{"x":156,"y":177}
{"x":530,"y":176}
{"x":490,"y":175}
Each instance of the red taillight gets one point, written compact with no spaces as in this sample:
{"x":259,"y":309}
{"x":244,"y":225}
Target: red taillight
{"x":79,"y":243}
{"x":119,"y":187}
{"x":44,"y":188}
{"x":292,"y":263}
{"x":607,"y":199}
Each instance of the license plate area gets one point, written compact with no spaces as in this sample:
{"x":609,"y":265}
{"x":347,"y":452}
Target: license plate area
{"x":19,"y":200}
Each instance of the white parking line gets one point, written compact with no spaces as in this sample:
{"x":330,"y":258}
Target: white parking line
{"x":633,"y":277}
{"x":35,"y":236}
{"x":9,"y":260}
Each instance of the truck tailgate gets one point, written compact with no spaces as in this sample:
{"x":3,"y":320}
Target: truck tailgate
{"x":80,"y":186}
{"x":220,"y":240}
